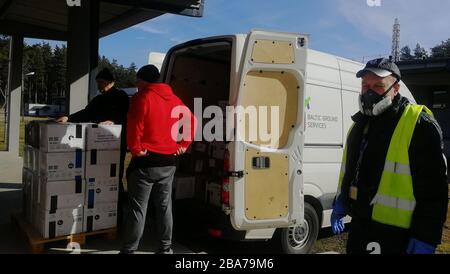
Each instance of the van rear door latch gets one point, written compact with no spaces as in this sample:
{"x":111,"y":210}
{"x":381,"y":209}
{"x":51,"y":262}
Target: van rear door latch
{"x":235,"y":174}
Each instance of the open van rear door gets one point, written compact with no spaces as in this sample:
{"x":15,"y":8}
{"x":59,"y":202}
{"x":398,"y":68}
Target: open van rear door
{"x":267,"y":181}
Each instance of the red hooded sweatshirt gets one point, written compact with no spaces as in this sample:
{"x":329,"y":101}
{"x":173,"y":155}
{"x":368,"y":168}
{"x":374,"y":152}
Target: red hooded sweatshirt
{"x":150,"y":122}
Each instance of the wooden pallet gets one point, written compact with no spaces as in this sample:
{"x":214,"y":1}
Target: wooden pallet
{"x":37,"y":243}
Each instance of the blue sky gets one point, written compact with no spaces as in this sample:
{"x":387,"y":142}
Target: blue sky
{"x":348,"y":28}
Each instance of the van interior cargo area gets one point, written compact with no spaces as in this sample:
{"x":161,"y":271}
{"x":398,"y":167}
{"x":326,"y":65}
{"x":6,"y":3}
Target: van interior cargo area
{"x":201,"y":71}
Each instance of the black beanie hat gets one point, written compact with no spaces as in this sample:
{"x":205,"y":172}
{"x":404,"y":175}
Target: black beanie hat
{"x":105,"y":74}
{"x":148,"y":73}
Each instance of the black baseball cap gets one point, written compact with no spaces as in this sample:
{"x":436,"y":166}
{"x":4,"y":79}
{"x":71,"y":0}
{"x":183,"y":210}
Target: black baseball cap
{"x":382,"y":67}
{"x":148,"y":73}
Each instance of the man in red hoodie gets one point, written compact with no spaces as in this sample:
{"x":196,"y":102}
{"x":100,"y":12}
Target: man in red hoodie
{"x":152,"y":140}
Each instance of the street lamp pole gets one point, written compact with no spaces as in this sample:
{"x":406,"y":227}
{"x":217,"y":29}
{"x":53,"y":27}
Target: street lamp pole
{"x":23,"y":89}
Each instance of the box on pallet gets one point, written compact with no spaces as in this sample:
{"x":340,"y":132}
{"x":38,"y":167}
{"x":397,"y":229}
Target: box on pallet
{"x":35,"y":190}
{"x":102,"y":216}
{"x":27,"y":202}
{"x":49,"y":136}
{"x":213,"y":194}
{"x":32,"y":134}
{"x":61,"y":166}
{"x":60,"y":222}
{"x":103,"y":137}
{"x":31,"y":158}
{"x":61,"y":194}
{"x":101,"y":190}
{"x":102,"y":164}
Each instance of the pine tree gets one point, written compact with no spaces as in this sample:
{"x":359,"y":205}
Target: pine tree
{"x":58,"y":75}
{"x":442,"y":50}
{"x":405,"y":54}
{"x":420,"y":52}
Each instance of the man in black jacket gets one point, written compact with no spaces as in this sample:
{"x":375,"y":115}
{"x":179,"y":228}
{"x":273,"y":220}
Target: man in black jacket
{"x":385,"y":219}
{"x":108,"y":108}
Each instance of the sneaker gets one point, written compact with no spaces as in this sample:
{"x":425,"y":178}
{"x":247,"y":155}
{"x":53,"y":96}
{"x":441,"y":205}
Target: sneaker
{"x":165,"y":251}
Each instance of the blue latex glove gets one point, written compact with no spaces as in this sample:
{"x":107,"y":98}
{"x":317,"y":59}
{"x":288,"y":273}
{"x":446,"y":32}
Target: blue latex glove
{"x":418,"y":247}
{"x":337,"y":224}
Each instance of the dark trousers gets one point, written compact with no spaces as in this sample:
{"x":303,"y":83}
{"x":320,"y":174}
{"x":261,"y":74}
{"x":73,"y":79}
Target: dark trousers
{"x":122,"y":204}
{"x":155,"y":185}
{"x":369,"y":237}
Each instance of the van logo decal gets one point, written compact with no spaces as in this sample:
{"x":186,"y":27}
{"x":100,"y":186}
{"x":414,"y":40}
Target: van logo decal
{"x":308,"y":103}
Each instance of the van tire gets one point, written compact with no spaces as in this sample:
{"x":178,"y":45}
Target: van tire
{"x":294,"y":240}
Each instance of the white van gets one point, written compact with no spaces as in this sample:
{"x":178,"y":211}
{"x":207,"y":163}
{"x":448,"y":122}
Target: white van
{"x":235,"y":190}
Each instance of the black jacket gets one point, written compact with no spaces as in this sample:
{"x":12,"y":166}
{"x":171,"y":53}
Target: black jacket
{"x":112,"y":106}
{"x":428,"y":169}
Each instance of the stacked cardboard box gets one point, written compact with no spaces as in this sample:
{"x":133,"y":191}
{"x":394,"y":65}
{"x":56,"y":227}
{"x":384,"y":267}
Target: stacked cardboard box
{"x":200,"y":171}
{"x":55,"y":175}
{"x":213,"y":193}
{"x":102,"y":177}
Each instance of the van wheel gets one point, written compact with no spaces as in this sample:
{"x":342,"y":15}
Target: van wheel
{"x":301,"y":239}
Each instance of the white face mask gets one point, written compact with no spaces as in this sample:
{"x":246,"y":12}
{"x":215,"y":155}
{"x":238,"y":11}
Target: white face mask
{"x":374,"y":104}
{"x":378,"y":108}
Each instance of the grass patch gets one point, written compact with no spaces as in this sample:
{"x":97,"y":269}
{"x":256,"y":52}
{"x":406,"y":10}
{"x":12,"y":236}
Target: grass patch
{"x":331,"y":243}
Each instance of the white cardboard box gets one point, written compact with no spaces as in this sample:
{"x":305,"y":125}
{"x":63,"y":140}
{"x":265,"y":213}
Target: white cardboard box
{"x":102,"y":216}
{"x":102,"y":164}
{"x":103,"y":137}
{"x":62,"y":166}
{"x":213,"y":194}
{"x":62,"y":194}
{"x":32,"y":134}
{"x":61,"y":222}
{"x":31,"y":158}
{"x":184,"y":188}
{"x":27,"y":203}
{"x":55,"y":137}
{"x":27,"y":150}
{"x":101,"y":191}
{"x":35,"y":190}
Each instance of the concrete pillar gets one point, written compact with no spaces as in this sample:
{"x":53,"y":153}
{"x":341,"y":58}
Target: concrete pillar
{"x":15,"y":93}
{"x":10,"y":163}
{"x":82,"y":53}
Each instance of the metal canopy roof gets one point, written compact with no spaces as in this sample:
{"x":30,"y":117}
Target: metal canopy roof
{"x":48,"y":19}
{"x":427,"y":65}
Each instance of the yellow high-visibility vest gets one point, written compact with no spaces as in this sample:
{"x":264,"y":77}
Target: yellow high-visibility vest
{"x":394,"y":202}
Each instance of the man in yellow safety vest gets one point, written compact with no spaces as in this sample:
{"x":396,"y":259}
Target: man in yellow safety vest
{"x":393,"y":179}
